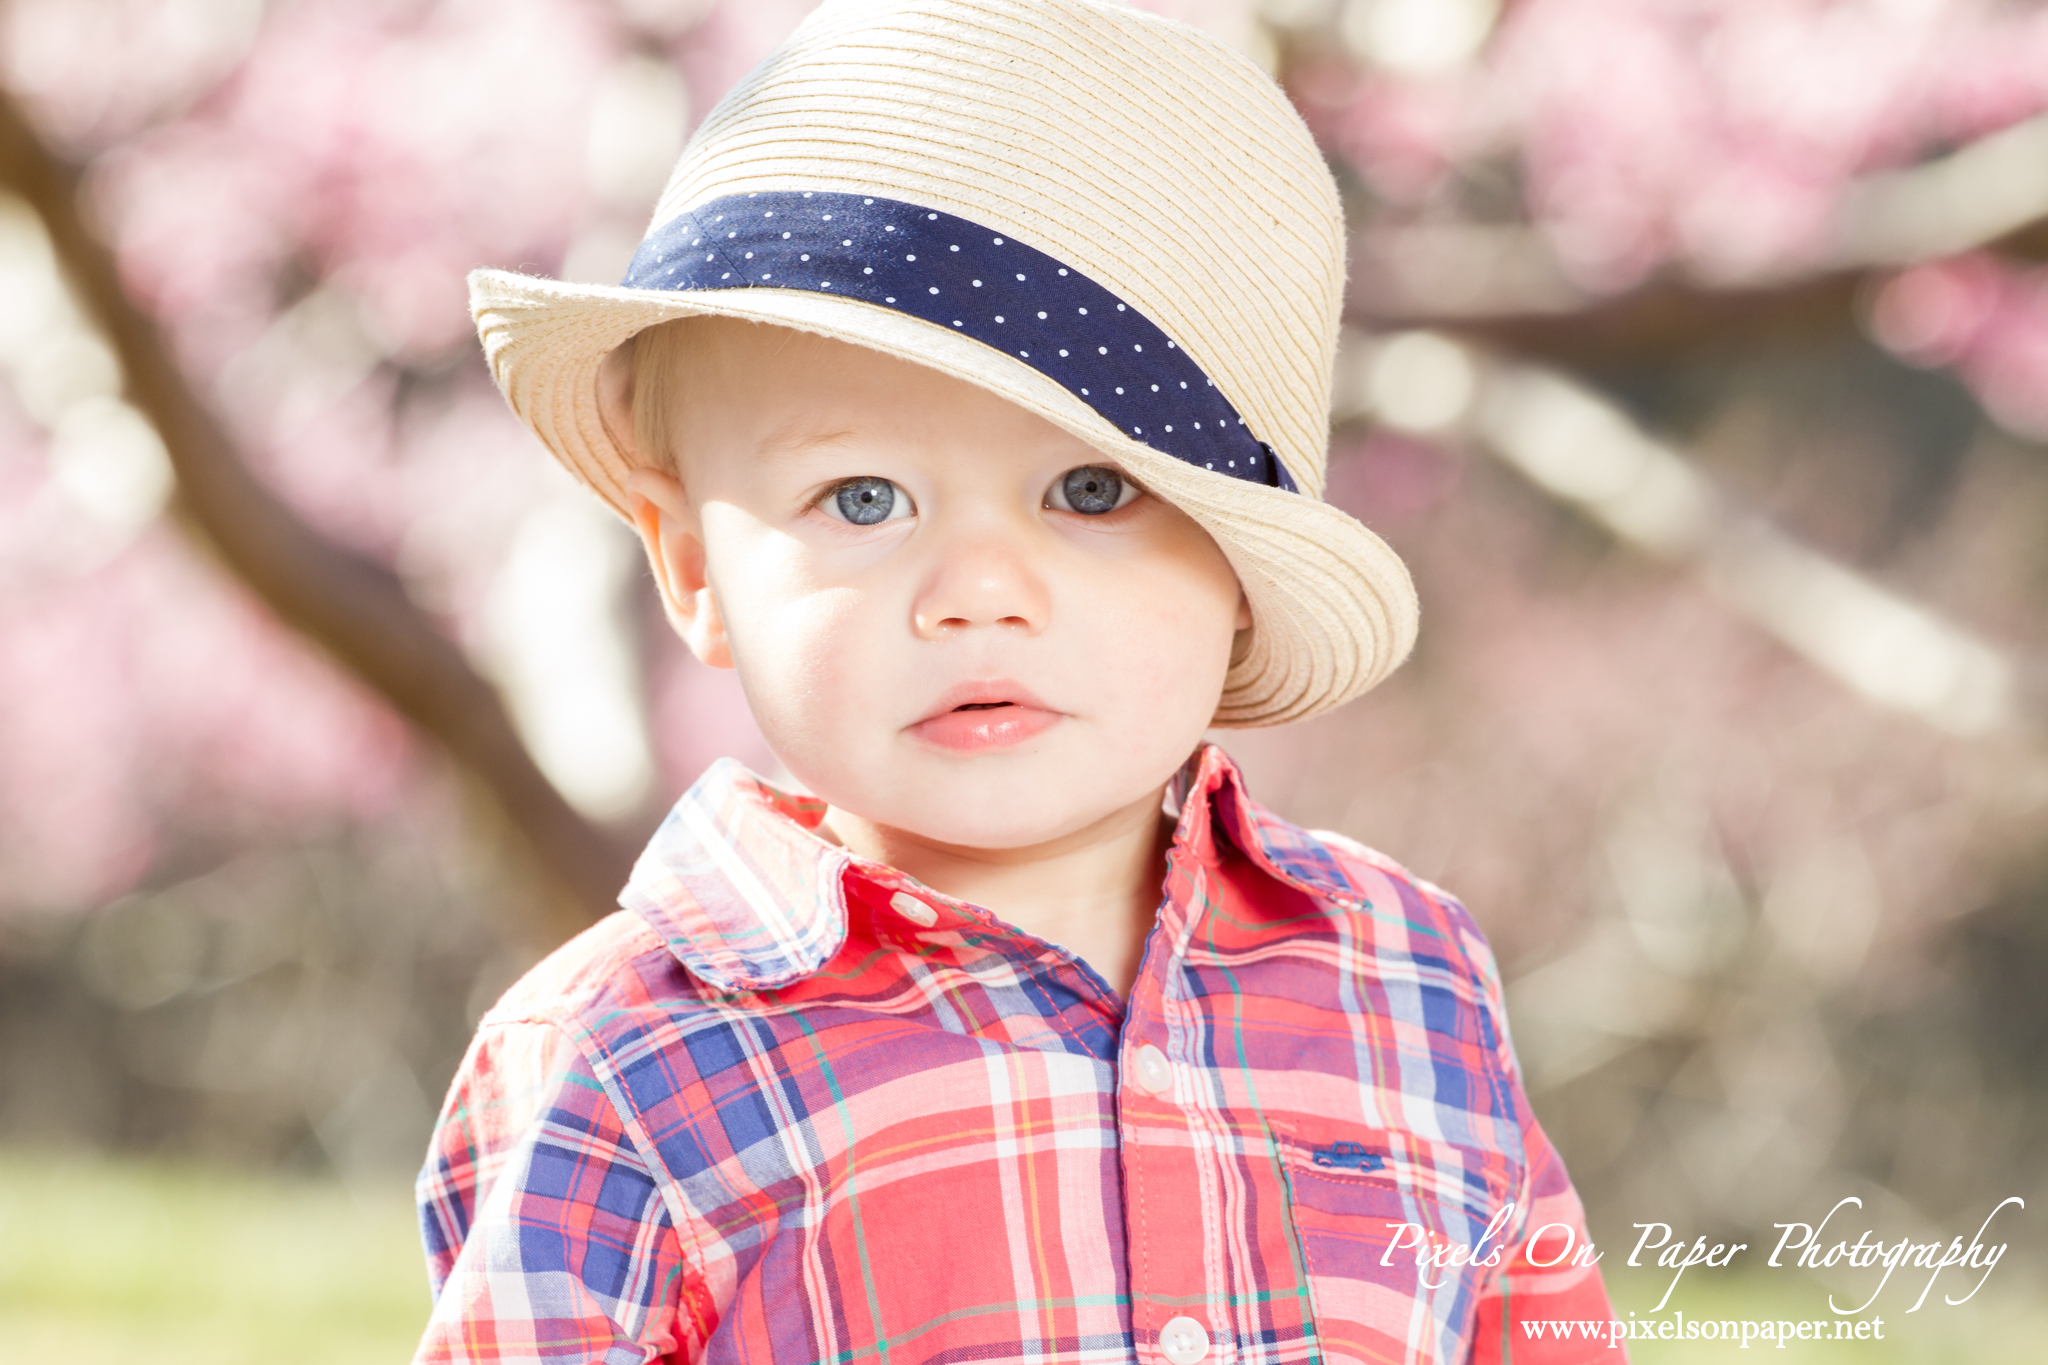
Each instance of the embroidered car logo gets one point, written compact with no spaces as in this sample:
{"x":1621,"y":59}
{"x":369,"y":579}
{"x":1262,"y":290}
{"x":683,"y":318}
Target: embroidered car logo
{"x":1348,"y":1156}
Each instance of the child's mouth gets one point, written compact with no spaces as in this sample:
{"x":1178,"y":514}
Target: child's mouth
{"x":993,"y":723}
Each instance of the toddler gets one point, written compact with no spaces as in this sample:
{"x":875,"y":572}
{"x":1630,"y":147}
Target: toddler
{"x":970,"y":394}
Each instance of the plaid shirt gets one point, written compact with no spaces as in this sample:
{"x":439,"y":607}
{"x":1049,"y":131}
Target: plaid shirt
{"x":792,"y":1107}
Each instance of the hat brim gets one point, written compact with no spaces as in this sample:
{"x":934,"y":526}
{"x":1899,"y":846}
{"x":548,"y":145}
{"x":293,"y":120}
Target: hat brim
{"x":1333,"y":608}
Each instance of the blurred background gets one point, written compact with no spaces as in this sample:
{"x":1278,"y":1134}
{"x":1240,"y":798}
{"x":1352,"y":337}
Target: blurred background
{"x":1697,"y":364}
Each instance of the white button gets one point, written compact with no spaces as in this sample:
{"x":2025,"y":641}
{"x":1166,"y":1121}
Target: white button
{"x":913,"y":909}
{"x":1155,"y":1073}
{"x":1184,"y":1341}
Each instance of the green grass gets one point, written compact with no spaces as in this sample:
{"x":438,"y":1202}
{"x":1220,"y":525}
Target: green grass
{"x":111,"y":1260}
{"x":2005,"y":1323}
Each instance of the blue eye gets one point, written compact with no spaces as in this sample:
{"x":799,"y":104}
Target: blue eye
{"x":1092,"y":490}
{"x":868,"y":501}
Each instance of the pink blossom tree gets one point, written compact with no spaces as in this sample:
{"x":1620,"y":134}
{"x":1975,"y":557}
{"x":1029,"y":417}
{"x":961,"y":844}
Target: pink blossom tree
{"x":1700,"y":369}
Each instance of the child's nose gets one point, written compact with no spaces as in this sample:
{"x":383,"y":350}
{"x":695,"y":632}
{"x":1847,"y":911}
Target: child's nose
{"x":981,"y":581}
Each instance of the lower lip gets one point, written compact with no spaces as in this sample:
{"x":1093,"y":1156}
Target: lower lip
{"x":998,"y":728}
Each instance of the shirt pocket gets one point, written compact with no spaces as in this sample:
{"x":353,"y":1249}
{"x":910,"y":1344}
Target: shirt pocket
{"x":1363,"y":1202}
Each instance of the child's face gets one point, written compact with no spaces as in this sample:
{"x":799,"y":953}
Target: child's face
{"x":949,"y":616}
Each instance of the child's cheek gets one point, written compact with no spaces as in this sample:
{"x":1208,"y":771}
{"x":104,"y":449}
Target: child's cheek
{"x":807,"y":661}
{"x":1166,"y":642}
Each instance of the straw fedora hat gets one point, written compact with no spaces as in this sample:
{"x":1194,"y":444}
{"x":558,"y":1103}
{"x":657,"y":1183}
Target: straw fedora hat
{"x":1107,"y":217}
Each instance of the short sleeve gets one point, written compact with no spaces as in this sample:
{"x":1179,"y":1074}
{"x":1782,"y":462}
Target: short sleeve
{"x":546,"y":1234}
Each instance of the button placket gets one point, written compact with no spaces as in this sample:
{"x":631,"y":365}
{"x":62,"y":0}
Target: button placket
{"x":1165,"y":1208}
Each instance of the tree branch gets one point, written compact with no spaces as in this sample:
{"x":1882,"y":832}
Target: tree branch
{"x":357,"y":610}
{"x":1503,"y":284}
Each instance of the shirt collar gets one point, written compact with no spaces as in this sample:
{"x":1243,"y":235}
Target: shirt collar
{"x":739,"y":884}
{"x":749,"y":896}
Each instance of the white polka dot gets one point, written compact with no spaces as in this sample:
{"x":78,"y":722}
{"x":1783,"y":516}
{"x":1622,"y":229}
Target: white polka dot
{"x":888,"y":300}
{"x":1025,"y":354}
{"x":807,"y":194}
{"x":999,"y":317}
{"x":1198,"y":426}
{"x":888,"y":227}
{"x":726,"y":276}
{"x":709,"y":254}
{"x":827,"y":218}
{"x":785,"y":236}
{"x":956,"y":322}
{"x":1102,"y":350}
{"x":1233,"y":464}
{"x":1139,"y":430}
{"x":1063,"y":270}
{"x":935,"y":289}
{"x":1169,"y":427}
{"x":867,"y":270}
{"x":933,"y":217}
{"x":719,"y":219}
{"x":1119,"y":308}
{"x":999,"y":241}
{"x":698,"y":242}
{"x":1155,"y":388}
{"x":847,"y":242}
{"x":1171,"y":347}
{"x":769,"y":214}
{"x":1136,"y":347}
{"x":1119,"y":388}
{"x":955,"y":247}
{"x":732,"y":234}
{"x":977,"y":284}
{"x":1020,"y":277}
{"x":1041,"y":315}
{"x":1210,"y":465}
{"x":867,"y":201}
{"x":910,"y":258}
{"x":750,"y":255}
{"x":805,"y":257}
{"x":767,"y":276}
{"x":1063,"y":351}
{"x":1084,"y":393}
{"x":824,"y":284}
{"x":1084,"y":312}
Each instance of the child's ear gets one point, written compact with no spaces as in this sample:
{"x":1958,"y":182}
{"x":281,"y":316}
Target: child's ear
{"x":661,"y":514}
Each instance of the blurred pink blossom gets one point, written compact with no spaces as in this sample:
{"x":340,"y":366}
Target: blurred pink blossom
{"x":148,"y":692}
{"x":1986,"y":318}
{"x":1714,"y":133}
{"x":298,"y":191}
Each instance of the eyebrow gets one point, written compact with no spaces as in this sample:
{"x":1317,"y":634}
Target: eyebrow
{"x":802,"y":440}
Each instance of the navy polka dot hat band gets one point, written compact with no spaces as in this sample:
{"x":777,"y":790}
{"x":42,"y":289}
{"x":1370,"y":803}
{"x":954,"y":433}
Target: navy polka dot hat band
{"x":953,"y":273}
{"x":1109,"y":219}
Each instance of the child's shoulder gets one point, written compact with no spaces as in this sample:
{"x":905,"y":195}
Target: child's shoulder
{"x":619,"y":965}
{"x":1359,"y":879}
{"x":1341,"y":867}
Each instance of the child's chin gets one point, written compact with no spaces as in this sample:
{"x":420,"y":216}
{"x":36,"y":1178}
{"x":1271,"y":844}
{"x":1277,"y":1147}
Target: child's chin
{"x":1002,"y":810}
